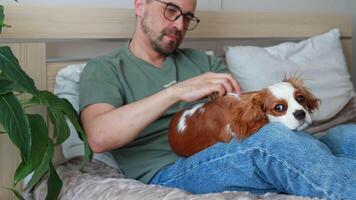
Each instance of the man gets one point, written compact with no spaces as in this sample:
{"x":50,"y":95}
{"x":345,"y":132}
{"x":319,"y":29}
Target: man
{"x":127,"y":99}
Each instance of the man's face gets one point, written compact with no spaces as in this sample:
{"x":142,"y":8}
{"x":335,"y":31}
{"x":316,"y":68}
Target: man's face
{"x":165,"y":36}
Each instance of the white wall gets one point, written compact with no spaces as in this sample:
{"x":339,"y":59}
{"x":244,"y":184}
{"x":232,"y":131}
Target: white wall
{"x":310,"y":6}
{"x":202,"y":4}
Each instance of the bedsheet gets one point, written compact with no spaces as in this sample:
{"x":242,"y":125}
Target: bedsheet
{"x":100,"y":181}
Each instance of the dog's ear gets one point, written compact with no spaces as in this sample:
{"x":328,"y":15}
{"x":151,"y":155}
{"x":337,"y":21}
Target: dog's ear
{"x":254,"y":108}
{"x":251,"y":116}
{"x":311,"y":102}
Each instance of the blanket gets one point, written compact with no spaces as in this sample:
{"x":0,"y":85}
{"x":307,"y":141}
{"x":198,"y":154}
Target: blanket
{"x":100,"y":181}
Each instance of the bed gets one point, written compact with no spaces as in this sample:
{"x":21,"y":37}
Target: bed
{"x":47,"y":42}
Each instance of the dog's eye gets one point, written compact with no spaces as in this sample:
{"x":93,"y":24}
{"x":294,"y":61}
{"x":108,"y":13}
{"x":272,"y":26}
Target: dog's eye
{"x":279,"y":108}
{"x":300,"y":98}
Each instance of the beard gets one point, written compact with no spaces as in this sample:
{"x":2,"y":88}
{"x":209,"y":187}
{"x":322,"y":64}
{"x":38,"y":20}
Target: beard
{"x":156,"y":40}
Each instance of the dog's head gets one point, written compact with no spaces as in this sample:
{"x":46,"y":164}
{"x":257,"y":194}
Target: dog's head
{"x":290,"y":103}
{"x":287,"y":102}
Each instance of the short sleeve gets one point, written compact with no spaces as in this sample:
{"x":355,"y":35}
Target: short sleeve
{"x":99,"y":83}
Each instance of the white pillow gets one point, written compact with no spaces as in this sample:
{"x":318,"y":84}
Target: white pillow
{"x":319,"y":61}
{"x":67,"y":86}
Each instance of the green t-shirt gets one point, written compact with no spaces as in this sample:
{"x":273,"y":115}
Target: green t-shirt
{"x":122,"y":78}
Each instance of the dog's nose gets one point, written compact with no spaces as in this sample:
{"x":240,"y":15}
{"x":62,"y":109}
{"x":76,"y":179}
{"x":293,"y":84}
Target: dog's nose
{"x":299,"y":114}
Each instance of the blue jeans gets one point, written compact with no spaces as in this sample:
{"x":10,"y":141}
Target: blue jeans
{"x":275,"y":159}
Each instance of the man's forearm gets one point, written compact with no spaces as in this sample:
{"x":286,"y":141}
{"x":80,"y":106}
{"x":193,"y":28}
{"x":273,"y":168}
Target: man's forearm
{"x":119,"y":126}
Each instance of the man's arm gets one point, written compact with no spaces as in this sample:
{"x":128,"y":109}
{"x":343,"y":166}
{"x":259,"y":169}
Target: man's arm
{"x":108,"y":127}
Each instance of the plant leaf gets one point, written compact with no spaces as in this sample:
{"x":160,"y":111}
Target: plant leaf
{"x":7,"y":86}
{"x":16,"y":193}
{"x":2,"y":16}
{"x":58,"y":105}
{"x":72,"y":115}
{"x":88,"y":153}
{"x":39,"y":133}
{"x":15,"y":123}
{"x":11,"y":69}
{"x":56,"y":115}
{"x":61,"y":129}
{"x":43,"y":168}
{"x":65,"y":106}
{"x":39,"y":136}
{"x":54,"y":183}
{"x":23,"y":170}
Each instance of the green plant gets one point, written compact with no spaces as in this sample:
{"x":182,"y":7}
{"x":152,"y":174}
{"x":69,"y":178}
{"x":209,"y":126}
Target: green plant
{"x":29,"y":132}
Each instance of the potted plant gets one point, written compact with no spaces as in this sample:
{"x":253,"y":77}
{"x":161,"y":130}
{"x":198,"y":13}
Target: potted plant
{"x":29,"y":132}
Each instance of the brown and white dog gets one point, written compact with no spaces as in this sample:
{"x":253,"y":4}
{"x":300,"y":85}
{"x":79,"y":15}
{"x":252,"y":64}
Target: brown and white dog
{"x":241,"y":115}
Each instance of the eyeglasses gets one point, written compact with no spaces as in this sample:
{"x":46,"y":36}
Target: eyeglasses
{"x":172,"y":12}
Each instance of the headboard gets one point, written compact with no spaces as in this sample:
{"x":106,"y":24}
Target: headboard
{"x":41,"y":36}
{"x":39,"y":30}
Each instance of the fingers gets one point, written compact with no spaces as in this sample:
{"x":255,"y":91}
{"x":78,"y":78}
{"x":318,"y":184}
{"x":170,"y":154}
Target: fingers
{"x":204,"y":85}
{"x":232,"y":83}
{"x":235,"y":85}
{"x":223,"y":83}
{"x":213,"y":96}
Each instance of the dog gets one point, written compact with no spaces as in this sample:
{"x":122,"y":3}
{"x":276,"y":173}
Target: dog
{"x":241,"y":115}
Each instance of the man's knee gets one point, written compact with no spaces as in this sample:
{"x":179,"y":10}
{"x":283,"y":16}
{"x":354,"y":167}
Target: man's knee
{"x":277,"y":135}
{"x":341,"y":139}
{"x":280,"y":132}
{"x":341,"y":132}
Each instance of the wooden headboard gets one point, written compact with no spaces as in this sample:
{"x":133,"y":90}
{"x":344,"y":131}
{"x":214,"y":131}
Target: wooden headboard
{"x":33,"y":28}
{"x":36,"y":29}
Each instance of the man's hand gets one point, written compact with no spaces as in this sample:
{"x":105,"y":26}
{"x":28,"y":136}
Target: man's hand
{"x":203,"y":85}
